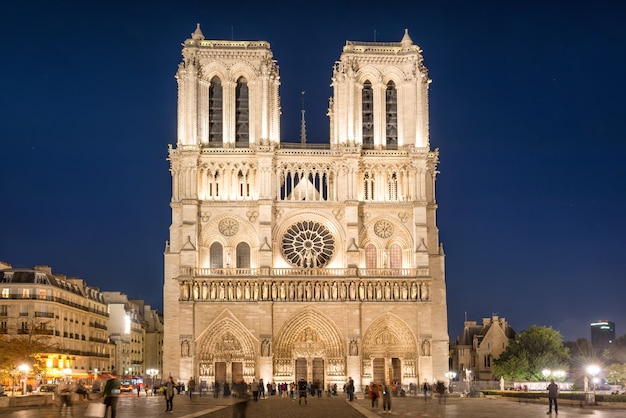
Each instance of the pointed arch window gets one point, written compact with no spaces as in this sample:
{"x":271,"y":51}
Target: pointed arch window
{"x":242,"y":114}
{"x":391,"y":116}
{"x":370,"y":256}
{"x":395,"y":257}
{"x":243,"y":256}
{"x":216,"y":134}
{"x":217,"y":255}
{"x":367,"y":115}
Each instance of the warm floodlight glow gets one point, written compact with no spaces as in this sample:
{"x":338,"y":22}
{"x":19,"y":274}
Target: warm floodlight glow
{"x":593,"y":370}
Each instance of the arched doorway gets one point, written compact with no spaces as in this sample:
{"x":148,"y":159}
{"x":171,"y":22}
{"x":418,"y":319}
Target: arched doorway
{"x":309,"y":346}
{"x":225,"y":354}
{"x":389,"y":351}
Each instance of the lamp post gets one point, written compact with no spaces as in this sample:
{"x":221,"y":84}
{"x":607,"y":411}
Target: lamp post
{"x":450,"y":376}
{"x":546,"y":373}
{"x":593,"y":370}
{"x":152,"y":373}
{"x":24,"y":369}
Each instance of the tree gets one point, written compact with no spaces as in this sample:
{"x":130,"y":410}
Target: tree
{"x":25,"y":346}
{"x":530,"y":352}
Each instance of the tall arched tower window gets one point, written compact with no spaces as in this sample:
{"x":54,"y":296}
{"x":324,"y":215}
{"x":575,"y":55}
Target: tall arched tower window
{"x":367,"y":114}
{"x":242,"y":114}
{"x":395,"y":257}
{"x":216,"y":117}
{"x":216,"y":254}
{"x":392,"y":186}
{"x":243,"y":255}
{"x":391,"y":106}
{"x":368,"y":186}
{"x":370,"y":256}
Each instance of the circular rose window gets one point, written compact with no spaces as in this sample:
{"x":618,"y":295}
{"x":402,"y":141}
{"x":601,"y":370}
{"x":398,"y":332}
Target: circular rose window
{"x":308,"y":244}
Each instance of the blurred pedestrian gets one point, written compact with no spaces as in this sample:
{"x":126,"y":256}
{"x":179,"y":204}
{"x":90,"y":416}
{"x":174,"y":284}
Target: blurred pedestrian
{"x":169,"y":394}
{"x":553,"y":394}
{"x":386,"y":399}
{"x":191,"y":386}
{"x":110,"y":393}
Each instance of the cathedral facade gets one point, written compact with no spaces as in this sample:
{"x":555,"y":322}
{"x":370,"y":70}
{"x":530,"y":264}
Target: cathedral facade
{"x":295,"y":260}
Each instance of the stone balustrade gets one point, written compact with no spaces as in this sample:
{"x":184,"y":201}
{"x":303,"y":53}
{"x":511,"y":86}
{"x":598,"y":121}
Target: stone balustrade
{"x":294,"y":289}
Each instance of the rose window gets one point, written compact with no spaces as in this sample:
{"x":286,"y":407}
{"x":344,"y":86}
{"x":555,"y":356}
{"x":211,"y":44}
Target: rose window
{"x":383,"y":229}
{"x":228,"y":227}
{"x":308,"y":244}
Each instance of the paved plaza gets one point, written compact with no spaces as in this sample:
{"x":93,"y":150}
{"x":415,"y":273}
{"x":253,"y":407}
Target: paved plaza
{"x":274,"y":407}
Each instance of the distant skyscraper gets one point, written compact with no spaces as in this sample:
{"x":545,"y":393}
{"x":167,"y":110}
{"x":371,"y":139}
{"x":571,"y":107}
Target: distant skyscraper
{"x":602,"y":334}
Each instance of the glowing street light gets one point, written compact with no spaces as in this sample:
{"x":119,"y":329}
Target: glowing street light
{"x":593,"y":370}
{"x":152,"y":373}
{"x":450,"y":375}
{"x":546,"y":373}
{"x":24,"y":368}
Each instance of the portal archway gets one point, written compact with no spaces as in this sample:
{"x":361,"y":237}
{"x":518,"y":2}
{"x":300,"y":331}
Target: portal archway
{"x":310,"y":346}
{"x":225,"y":352}
{"x":389,"y":350}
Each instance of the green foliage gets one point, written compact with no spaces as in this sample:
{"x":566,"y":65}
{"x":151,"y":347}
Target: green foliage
{"x":616,"y":353}
{"x":530,"y":352}
{"x":26,"y":348}
{"x":616,"y":373}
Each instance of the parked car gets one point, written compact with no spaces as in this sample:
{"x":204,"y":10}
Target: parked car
{"x":43,"y":389}
{"x":126,"y":386}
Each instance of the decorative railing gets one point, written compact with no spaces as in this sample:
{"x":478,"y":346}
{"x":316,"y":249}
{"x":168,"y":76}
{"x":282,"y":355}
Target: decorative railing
{"x":421,"y":272}
{"x":311,"y":289}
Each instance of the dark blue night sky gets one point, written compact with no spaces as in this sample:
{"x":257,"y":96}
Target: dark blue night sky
{"x":526,"y":107}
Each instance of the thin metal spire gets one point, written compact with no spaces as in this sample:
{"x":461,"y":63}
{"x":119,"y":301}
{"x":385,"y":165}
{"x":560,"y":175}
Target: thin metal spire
{"x":302,"y":124}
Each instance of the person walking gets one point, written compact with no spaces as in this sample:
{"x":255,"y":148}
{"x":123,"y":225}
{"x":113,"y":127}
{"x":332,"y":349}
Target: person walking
{"x":386,"y":399}
{"x":191,"y":386}
{"x":350,"y":389}
{"x":426,"y":390}
{"x":110,"y":393}
{"x":302,"y":391}
{"x":440,"y":388}
{"x":553,"y":394}
{"x":254,"y":388}
{"x":374,"y":394}
{"x":65,"y":392}
{"x":241,"y":398}
{"x":169,"y":394}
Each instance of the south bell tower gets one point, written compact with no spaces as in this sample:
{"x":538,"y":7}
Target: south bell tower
{"x":289,"y":260}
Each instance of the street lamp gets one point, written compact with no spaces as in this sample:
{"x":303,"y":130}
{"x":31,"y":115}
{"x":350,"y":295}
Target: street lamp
{"x":450,"y":375}
{"x":593,"y":370}
{"x":546,"y":373}
{"x":24,"y":369}
{"x":152,"y":373}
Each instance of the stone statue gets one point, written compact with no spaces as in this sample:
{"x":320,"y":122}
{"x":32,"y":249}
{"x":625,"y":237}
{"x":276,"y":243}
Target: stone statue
{"x":354,"y":348}
{"x":265,"y":348}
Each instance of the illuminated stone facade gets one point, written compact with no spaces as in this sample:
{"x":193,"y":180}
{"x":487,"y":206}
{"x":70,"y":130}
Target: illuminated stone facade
{"x":296,"y":260}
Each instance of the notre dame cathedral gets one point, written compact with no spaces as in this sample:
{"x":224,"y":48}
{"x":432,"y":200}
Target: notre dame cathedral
{"x":296,"y":260}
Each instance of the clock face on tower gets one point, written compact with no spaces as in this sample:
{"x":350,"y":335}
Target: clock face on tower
{"x":308,"y":244}
{"x":383,"y":229}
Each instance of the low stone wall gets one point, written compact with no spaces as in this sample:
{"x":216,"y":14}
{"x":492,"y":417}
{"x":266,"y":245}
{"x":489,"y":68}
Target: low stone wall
{"x":26,"y":401}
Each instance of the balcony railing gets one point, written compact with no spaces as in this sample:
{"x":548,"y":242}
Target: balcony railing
{"x":421,"y":272}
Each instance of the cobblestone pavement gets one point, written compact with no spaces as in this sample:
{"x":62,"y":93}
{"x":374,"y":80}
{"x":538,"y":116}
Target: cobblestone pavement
{"x":274,"y":407}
